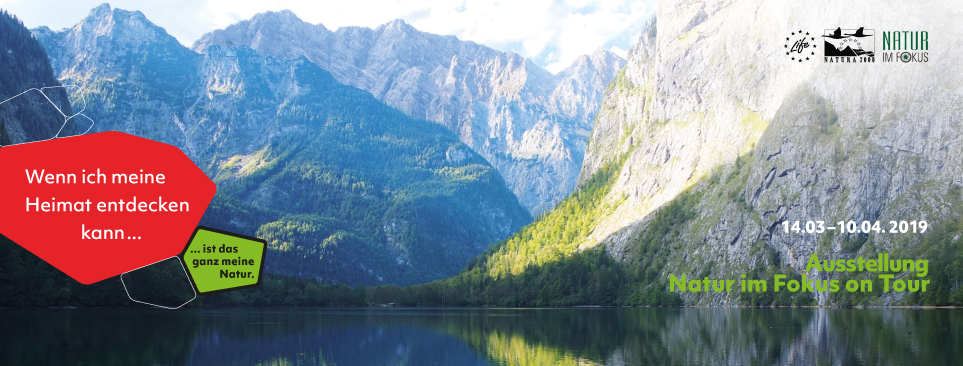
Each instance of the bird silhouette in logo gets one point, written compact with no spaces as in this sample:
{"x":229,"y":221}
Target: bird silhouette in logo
{"x":838,"y":34}
{"x":859,"y":33}
{"x":838,"y":43}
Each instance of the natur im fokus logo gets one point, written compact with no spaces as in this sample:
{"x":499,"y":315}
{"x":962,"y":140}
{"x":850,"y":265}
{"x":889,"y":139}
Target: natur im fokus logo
{"x":849,"y":45}
{"x":906,"y":46}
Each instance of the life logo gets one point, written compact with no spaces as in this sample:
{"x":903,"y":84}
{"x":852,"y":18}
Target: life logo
{"x":800,"y":46}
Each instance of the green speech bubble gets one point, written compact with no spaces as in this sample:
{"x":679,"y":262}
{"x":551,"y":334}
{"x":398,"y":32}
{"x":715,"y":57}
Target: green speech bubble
{"x":219,"y":261}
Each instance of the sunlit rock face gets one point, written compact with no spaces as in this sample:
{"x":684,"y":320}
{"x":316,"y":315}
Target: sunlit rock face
{"x":709,"y":83}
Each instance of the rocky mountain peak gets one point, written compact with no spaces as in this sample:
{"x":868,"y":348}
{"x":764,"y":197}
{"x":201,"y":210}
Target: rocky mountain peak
{"x":283,"y":16}
{"x":530,"y":124}
{"x":107,"y":33}
{"x":280,"y":33}
{"x":604,"y":56}
{"x":101,"y":11}
{"x":398,"y":25}
{"x":131,"y":26}
{"x":283,"y":20}
{"x":599,"y":60}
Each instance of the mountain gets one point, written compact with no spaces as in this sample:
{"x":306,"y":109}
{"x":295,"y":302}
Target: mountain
{"x":135,"y":77}
{"x":345,"y":188}
{"x":30,"y":116}
{"x":775,"y":143}
{"x":831,"y":50}
{"x":25,"y":279}
{"x":709,"y":140}
{"x":531,"y":125}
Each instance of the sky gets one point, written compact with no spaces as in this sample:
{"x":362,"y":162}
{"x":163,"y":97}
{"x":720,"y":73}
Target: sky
{"x":553,"y":33}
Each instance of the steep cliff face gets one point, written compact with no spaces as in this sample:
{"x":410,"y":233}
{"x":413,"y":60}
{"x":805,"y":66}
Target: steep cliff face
{"x":531,"y":125}
{"x":712,"y":137}
{"x":33,"y":115}
{"x":345,"y":188}
{"x":709,"y":106}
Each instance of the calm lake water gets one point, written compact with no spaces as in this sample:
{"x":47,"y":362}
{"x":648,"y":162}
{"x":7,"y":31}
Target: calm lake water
{"x":583,"y":336}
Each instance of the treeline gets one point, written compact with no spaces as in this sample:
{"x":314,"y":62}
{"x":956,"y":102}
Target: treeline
{"x":590,"y":278}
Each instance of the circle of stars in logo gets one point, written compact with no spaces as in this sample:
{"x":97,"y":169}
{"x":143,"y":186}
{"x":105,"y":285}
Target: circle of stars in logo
{"x":798,"y":43}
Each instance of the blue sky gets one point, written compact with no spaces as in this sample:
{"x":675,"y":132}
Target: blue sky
{"x":550,"y":32}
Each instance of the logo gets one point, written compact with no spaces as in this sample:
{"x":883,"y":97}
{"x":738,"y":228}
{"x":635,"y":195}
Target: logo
{"x":849,"y":45}
{"x":800,"y":46}
{"x":906,"y":46}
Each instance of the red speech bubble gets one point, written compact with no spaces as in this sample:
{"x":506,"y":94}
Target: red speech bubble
{"x":96,"y":206}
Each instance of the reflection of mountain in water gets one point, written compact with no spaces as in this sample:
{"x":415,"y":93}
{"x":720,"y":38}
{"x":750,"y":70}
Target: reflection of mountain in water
{"x":831,"y":50}
{"x":510,"y":337}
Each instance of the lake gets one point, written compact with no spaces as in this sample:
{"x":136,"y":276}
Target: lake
{"x":393,"y":336}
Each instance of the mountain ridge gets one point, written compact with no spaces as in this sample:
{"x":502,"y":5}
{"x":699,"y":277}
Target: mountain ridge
{"x":530,"y":124}
{"x":346,"y":188}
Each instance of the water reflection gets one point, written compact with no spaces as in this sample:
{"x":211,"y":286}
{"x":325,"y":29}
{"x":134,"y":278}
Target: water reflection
{"x":584,"y":336}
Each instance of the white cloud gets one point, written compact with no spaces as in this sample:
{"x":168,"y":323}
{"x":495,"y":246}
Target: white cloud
{"x":551,"y":33}
{"x":619,"y":51}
